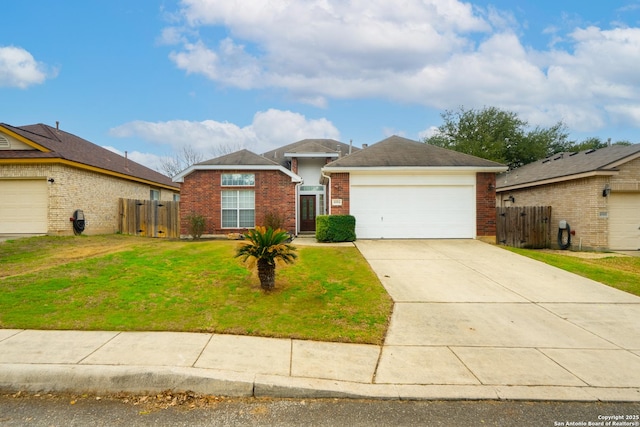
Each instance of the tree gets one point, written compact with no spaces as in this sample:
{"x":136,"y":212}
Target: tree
{"x":266,"y":246}
{"x":171,"y":166}
{"x":497,"y":135}
{"x":180,"y":160}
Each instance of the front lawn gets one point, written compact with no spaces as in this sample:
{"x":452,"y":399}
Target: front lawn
{"x":130,"y":283}
{"x":618,"y":272}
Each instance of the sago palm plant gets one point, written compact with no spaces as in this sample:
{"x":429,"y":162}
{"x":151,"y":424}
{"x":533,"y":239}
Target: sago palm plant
{"x":266,"y":246}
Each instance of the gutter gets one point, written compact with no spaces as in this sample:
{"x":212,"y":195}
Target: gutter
{"x":328,"y":198}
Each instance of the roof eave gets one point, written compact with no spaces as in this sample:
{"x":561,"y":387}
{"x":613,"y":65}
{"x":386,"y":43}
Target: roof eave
{"x":342,"y":169}
{"x":58,"y":160}
{"x":556,"y":180}
{"x":627,"y":159}
{"x":180,"y":177}
{"x":27,"y":141}
{"x":317,"y":154}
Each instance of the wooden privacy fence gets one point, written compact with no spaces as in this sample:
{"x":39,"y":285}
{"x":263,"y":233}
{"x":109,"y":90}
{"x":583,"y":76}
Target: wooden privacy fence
{"x":149,"y":218}
{"x":524,"y":226}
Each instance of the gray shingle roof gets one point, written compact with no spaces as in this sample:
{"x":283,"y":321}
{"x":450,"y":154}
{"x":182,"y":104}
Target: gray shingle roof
{"x":242,"y":157}
{"x":64,"y":145}
{"x":396,"y":151}
{"x":564,"y":165}
{"x":317,"y":145}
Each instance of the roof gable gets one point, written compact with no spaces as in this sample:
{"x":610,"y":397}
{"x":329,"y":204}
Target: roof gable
{"x":239,"y":160}
{"x":566,"y":165}
{"x":49,"y":142}
{"x":319,"y":145}
{"x":242,"y":157}
{"x":396,"y":151}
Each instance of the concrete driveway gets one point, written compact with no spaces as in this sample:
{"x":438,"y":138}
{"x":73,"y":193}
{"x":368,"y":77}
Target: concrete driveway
{"x":470,"y":313}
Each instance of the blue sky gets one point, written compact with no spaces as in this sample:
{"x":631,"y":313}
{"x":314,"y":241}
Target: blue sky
{"x":152,"y":76}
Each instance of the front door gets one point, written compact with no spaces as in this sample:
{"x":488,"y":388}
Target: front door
{"x":308,"y":213}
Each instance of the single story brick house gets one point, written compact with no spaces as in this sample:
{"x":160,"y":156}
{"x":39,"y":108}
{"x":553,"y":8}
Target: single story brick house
{"x":46,"y":174}
{"x":596,"y":191}
{"x":396,"y":188}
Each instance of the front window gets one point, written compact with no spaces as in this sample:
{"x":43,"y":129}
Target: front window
{"x":238,"y":179}
{"x":238,"y":209}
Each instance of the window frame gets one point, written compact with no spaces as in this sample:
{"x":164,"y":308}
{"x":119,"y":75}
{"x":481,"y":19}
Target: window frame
{"x":238,"y":208}
{"x":246,"y":180}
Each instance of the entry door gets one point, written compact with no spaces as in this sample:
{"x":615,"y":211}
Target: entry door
{"x":308,"y":213}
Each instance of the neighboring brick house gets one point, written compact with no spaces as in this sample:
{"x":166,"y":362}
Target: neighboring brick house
{"x":396,"y":188}
{"x":596,"y":191}
{"x":46,"y":174}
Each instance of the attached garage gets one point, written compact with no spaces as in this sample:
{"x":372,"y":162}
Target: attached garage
{"x":624,"y":221}
{"x":413,"y":206}
{"x":404,"y":189}
{"x":24,"y":206}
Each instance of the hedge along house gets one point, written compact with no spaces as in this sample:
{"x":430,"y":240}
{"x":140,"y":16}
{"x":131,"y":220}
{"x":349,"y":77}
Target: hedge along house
{"x":46,"y":174}
{"x":237,"y":191}
{"x":396,"y":188}
{"x":596,"y":191}
{"x":399,"y":188}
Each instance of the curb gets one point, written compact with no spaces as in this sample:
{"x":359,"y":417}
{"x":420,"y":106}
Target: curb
{"x":103,"y":379}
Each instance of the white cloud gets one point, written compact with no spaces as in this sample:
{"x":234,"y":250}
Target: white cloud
{"x":19,"y":69}
{"x":437,"y":53}
{"x":152,"y":161}
{"x":269,"y":129}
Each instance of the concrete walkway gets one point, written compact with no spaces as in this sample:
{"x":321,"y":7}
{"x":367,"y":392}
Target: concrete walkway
{"x":471,"y":321}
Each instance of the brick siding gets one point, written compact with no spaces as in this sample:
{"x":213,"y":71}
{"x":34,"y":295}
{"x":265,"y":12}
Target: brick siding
{"x":580,"y":203}
{"x":201,"y":194}
{"x":485,"y":204}
{"x":339,"y":190}
{"x":96,"y":194}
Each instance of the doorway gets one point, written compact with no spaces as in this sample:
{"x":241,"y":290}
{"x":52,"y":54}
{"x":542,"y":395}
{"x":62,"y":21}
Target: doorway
{"x":308,"y":213}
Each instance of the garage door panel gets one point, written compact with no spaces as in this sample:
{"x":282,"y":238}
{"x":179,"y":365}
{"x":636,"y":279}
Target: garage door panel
{"x":414,"y":212}
{"x":624,"y":221}
{"x":23,"y":207}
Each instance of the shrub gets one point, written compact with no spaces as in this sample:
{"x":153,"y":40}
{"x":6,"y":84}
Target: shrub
{"x":273,"y":219}
{"x":335,"y":228}
{"x":195,"y":225}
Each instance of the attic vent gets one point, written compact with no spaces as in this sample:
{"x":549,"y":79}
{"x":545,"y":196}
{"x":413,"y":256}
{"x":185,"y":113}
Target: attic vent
{"x":573,"y":154}
{"x":590,"y":151}
{"x":4,"y":142}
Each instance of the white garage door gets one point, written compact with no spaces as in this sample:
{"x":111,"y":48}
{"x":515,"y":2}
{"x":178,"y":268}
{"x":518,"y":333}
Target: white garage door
{"x":624,"y":221}
{"x":407,"y":211}
{"x":23,"y":206}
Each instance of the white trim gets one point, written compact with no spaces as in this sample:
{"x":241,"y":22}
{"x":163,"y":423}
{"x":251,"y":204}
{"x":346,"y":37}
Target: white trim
{"x":555,"y":180}
{"x":318,"y":155}
{"x":180,"y":177}
{"x":420,"y":169}
{"x":623,"y":161}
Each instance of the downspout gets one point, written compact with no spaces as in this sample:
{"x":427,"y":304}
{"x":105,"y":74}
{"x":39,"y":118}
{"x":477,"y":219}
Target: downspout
{"x":297,"y":197}
{"x":328,"y":201}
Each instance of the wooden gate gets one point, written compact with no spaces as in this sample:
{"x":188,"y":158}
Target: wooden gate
{"x":149,"y":218}
{"x":524,"y":226}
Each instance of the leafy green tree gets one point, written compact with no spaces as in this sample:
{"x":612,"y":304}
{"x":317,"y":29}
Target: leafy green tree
{"x":594,"y":143}
{"x":497,"y":135}
{"x":266,"y":246}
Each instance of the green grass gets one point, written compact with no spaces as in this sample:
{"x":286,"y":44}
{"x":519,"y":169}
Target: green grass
{"x":618,"y":272}
{"x":130,"y":283}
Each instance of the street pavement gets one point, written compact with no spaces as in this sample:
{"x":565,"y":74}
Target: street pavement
{"x":470,"y":321}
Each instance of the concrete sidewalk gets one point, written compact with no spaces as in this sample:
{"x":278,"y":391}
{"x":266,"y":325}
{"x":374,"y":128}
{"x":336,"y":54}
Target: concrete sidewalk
{"x":471,"y":321}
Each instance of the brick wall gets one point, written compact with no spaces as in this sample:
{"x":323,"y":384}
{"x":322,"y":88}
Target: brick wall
{"x":274,"y":192}
{"x":485,"y":204}
{"x":579,"y":202}
{"x":94,"y":193}
{"x":339,"y":190}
